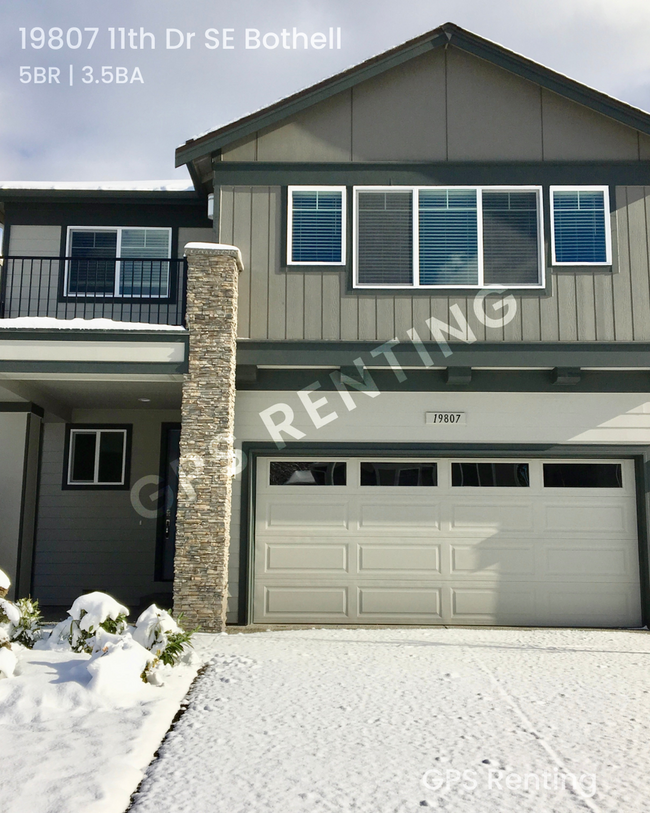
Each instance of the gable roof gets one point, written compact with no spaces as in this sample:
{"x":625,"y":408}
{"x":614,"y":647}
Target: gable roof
{"x":449,"y":33}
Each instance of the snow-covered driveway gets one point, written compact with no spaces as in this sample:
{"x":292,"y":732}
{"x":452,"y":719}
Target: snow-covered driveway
{"x":377,"y":721}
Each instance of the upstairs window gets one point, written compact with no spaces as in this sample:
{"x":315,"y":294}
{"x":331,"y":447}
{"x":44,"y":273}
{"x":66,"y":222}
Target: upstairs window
{"x":121,"y":262}
{"x":456,"y":237}
{"x":581,"y":227}
{"x":316,"y":225}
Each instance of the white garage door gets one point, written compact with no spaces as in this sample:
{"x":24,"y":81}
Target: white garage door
{"x":521,"y":541}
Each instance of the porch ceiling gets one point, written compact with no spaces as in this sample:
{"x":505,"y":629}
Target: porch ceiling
{"x":74,"y":394}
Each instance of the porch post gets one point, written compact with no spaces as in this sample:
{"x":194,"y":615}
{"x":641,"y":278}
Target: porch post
{"x":203,"y":508}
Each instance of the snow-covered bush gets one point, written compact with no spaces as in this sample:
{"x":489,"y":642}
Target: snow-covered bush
{"x":28,"y":630}
{"x":97,"y":626}
{"x":157,"y":631}
{"x":90,"y":613}
{"x":5,"y":584}
{"x":119,"y":665}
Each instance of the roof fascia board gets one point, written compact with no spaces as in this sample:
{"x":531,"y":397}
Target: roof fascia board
{"x":300,"y":101}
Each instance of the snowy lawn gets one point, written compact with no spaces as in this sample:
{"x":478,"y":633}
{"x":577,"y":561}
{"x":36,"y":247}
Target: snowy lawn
{"x":69,"y":747}
{"x":394,"y":720}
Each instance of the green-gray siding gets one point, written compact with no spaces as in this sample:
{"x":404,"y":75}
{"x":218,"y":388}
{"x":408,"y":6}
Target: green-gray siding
{"x":578,"y":305}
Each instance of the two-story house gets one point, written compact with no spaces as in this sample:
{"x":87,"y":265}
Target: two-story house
{"x":442,"y":407}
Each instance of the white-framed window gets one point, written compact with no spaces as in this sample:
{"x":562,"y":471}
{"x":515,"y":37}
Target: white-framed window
{"x":448,"y":237}
{"x":97,"y":456}
{"x":580,"y":225}
{"x":316,"y":225}
{"x":119,"y":261}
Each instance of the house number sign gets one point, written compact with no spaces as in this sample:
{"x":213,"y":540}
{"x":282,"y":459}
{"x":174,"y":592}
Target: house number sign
{"x":446,"y":418}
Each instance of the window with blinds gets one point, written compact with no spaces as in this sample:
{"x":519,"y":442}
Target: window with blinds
{"x":385,"y":238}
{"x":448,"y":230}
{"x":118,"y":262}
{"x":437,"y":237}
{"x":316,"y":226}
{"x":581,"y":233}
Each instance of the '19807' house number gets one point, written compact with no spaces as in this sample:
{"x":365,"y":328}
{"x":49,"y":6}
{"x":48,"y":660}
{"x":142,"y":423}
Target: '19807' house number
{"x":446,"y":418}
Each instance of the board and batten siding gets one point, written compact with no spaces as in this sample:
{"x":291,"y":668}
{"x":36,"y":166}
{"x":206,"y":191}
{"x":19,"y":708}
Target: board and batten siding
{"x":277,"y":303}
{"x":446,"y":105}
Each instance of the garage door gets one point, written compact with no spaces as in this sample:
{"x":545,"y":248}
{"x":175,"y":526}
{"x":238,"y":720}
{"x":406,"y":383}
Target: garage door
{"x":521,"y":541}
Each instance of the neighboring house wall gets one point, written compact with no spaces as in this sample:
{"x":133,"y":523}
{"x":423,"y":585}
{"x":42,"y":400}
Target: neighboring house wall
{"x":277,"y":302}
{"x":19,"y":457}
{"x":94,"y":539}
{"x":444,"y":106}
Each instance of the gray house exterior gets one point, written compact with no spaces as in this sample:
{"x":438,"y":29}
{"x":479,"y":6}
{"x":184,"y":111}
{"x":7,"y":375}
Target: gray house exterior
{"x":440,"y":412}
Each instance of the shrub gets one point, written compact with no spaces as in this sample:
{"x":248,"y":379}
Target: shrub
{"x":28,"y":630}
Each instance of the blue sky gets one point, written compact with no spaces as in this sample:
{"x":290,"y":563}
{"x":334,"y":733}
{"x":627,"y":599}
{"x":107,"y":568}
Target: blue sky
{"x":128,"y":131}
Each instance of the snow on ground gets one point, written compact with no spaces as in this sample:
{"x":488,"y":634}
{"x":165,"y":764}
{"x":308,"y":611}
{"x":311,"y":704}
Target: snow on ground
{"x":66,"y":748}
{"x":51,"y":323}
{"x":399,"y":720}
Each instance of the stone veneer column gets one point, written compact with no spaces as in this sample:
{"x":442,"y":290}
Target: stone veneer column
{"x":204,"y":494}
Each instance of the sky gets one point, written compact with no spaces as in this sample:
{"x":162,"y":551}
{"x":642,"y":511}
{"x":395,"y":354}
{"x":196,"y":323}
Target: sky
{"x":128,"y":130}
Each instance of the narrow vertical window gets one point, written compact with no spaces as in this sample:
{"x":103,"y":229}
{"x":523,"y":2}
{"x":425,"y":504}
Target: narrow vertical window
{"x":316,"y":226}
{"x":385,"y":238}
{"x":581,"y":229}
{"x":448,"y":228}
{"x":511,"y":253}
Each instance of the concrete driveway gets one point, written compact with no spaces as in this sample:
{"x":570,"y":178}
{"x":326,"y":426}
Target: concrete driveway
{"x":399,"y":720}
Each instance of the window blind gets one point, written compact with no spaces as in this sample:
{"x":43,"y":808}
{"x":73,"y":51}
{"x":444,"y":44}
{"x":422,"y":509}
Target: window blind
{"x":385,"y":238}
{"x":579,"y":226}
{"x":316,"y":226}
{"x":146,"y":277}
{"x":510,"y":238}
{"x":448,"y":237}
{"x":92,"y":267}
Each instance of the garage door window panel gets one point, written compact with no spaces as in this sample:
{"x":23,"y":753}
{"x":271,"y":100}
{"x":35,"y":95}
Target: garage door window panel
{"x":286,"y":473}
{"x":583,"y":475}
{"x":399,"y":474}
{"x":490,"y":475}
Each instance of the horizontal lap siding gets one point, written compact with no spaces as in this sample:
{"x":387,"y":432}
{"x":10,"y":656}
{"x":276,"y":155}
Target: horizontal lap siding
{"x":94,"y":539}
{"x":277,"y":303}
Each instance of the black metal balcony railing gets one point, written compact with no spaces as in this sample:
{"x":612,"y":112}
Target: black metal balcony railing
{"x":125,"y":290}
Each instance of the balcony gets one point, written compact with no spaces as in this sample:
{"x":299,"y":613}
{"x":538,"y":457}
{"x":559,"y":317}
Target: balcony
{"x":123,"y":289}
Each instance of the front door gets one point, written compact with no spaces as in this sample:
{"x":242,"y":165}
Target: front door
{"x":171,"y":435}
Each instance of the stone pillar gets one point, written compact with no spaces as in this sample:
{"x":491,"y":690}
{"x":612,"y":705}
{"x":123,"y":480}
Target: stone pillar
{"x":204,"y":493}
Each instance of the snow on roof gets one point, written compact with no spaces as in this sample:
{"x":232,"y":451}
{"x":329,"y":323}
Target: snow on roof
{"x":113,"y":186}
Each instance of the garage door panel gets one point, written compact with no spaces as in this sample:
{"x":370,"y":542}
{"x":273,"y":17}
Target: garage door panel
{"x":305,"y":558}
{"x":400,"y":602}
{"x":398,"y":558}
{"x":405,"y":514}
{"x":312,"y":514}
{"x":288,"y":601}
{"x":581,"y":516}
{"x":486,"y":560}
{"x":581,"y":605}
{"x":587,"y":562}
{"x":493,"y":604}
{"x":487,"y":518}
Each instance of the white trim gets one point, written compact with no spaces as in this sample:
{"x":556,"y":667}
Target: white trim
{"x":118,"y":250}
{"x":608,"y":225}
{"x":98,"y":433}
{"x":343,"y":191}
{"x":479,"y":203}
